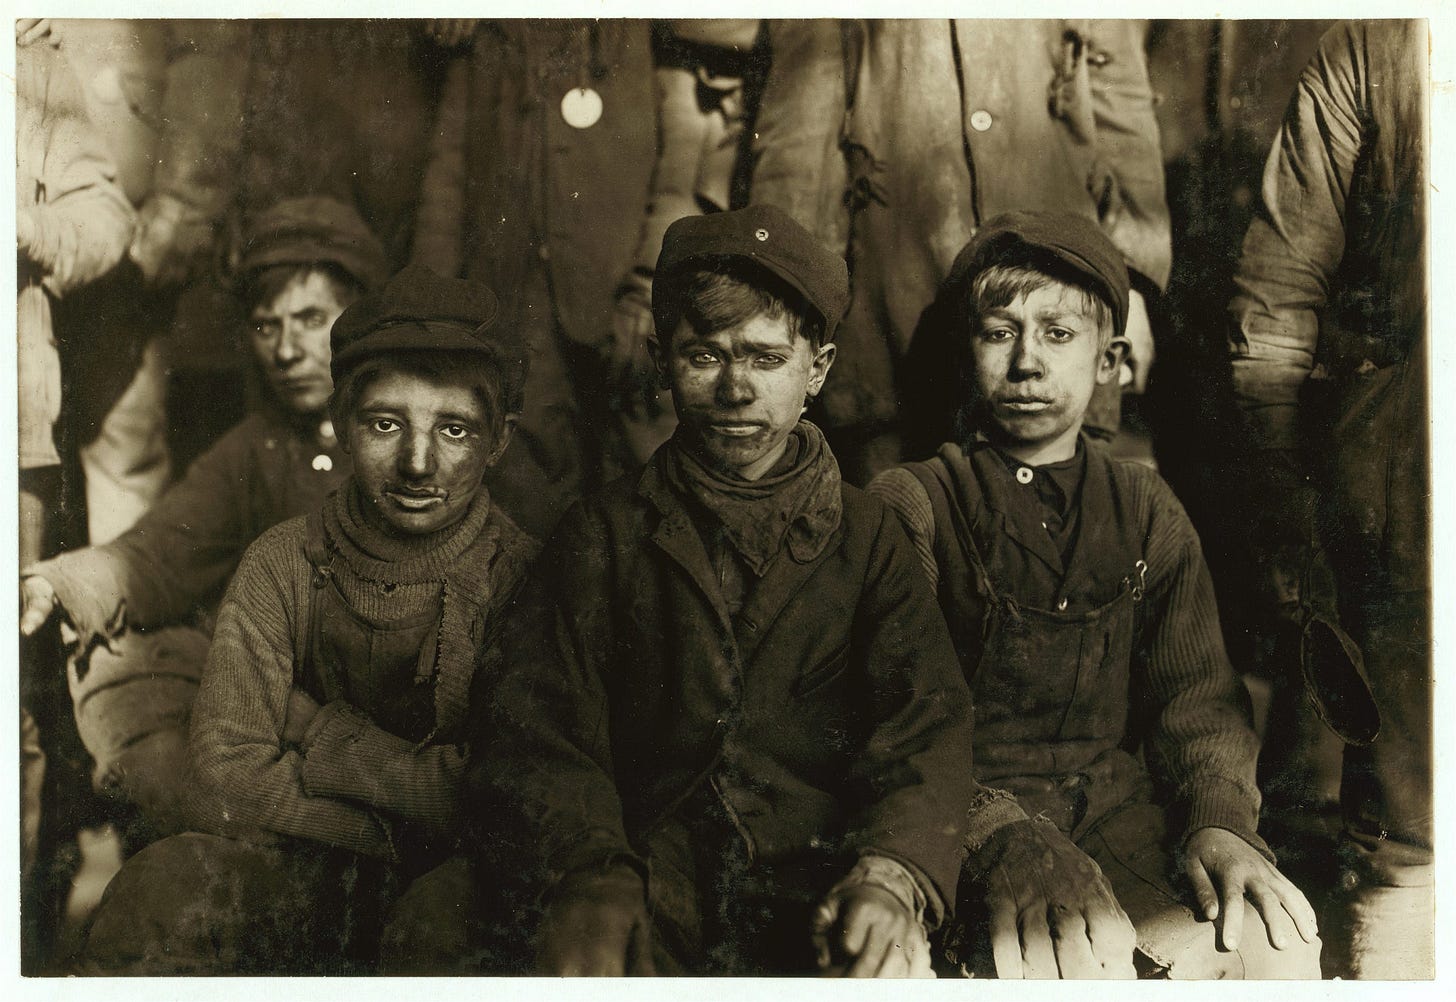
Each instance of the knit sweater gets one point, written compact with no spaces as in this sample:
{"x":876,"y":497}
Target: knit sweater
{"x":348,"y":782}
{"x":1188,"y":704}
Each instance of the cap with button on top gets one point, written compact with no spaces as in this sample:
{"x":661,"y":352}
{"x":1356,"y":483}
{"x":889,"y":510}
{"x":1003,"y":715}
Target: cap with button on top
{"x":419,"y":310}
{"x":768,"y":237}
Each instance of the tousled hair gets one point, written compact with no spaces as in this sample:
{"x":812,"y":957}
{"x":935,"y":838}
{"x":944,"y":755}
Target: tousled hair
{"x":1000,"y":284}
{"x":725,"y":292}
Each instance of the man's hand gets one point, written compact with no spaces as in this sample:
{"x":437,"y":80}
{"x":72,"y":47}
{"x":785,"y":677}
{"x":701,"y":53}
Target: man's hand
{"x":37,"y":602}
{"x":1141,"y":350}
{"x":597,"y":926}
{"x":301,"y":710}
{"x":632,"y":375}
{"x":1052,"y":912}
{"x":1223,"y":868}
{"x":169,"y":241}
{"x":864,"y":931}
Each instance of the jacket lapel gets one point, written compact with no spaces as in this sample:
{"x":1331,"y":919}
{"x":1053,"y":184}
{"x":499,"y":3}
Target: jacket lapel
{"x":676,"y":536}
{"x":768,"y":597}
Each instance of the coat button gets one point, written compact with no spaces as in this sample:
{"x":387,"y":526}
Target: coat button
{"x":1062,"y":606}
{"x":543,"y":252}
{"x":322,"y":463}
{"x":981,"y":120}
{"x":1023,"y":474}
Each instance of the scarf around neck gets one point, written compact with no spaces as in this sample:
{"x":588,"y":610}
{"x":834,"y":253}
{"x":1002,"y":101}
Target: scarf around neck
{"x":798,"y":507}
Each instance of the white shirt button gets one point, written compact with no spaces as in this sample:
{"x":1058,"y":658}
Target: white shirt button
{"x":1024,"y":474}
{"x":1062,"y":606}
{"x":981,"y":120}
{"x":322,"y":463}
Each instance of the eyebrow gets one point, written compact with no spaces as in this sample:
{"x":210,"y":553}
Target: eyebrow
{"x":747,"y":347}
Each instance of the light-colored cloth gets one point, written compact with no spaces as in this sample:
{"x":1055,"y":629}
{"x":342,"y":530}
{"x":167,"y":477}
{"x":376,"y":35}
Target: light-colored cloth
{"x":74,"y":223}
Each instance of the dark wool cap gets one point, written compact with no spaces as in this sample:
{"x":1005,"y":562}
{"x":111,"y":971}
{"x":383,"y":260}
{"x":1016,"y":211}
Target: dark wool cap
{"x":1018,"y":237}
{"x":312,"y":229}
{"x":764,"y":235}
{"x":419,"y":310}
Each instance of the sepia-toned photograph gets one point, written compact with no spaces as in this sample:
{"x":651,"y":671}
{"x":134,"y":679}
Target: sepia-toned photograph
{"x":821,"y":497}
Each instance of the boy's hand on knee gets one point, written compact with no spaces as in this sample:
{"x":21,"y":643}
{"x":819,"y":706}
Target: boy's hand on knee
{"x":864,"y":931}
{"x":597,"y":926}
{"x":1052,"y":912}
{"x":1223,"y":869}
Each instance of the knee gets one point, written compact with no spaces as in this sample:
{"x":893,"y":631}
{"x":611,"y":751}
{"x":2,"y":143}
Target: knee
{"x":1202,"y":956}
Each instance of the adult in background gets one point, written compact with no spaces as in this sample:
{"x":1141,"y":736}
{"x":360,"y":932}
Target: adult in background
{"x":1328,"y":349}
{"x":141,"y":607}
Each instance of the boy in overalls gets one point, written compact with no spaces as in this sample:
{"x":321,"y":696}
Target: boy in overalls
{"x":328,"y":743}
{"x":1084,"y":618}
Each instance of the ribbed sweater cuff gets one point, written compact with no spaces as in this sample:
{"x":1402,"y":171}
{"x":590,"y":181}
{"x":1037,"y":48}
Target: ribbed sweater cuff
{"x":990,"y":811}
{"x":1219,"y":803}
{"x":336,"y":752}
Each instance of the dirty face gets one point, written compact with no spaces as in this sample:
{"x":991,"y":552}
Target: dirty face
{"x":420,"y":448}
{"x":739,"y":392}
{"x":1037,"y":361}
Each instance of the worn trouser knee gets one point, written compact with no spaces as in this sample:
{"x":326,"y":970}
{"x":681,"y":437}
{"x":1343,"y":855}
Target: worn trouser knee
{"x":434,"y":927}
{"x":132,"y":705}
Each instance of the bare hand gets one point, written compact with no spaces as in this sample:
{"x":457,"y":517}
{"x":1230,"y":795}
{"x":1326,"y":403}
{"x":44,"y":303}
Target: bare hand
{"x":29,"y":30}
{"x":1223,"y":868}
{"x":1053,"y":914}
{"x":168,"y":241}
{"x":301,"y":710}
{"x":37,"y":602}
{"x":1141,"y":350}
{"x":597,"y":927}
{"x":632,"y":375}
{"x":865,"y":932}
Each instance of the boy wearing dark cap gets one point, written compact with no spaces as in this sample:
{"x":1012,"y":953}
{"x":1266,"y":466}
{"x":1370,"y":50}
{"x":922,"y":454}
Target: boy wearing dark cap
{"x":327,"y":742}
{"x":142,"y":605}
{"x":730,"y":735}
{"x":1084,"y":619}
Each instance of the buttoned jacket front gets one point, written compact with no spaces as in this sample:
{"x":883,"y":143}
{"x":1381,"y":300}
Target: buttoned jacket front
{"x":829,"y":714}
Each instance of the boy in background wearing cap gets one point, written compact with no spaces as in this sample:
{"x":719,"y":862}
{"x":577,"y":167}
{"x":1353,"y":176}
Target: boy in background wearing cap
{"x":730,"y":732}
{"x":141,"y":606}
{"x":1084,"y":618}
{"x":326,"y":745}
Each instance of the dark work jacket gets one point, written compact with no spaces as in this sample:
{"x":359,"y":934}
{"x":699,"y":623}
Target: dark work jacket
{"x":830,"y":716}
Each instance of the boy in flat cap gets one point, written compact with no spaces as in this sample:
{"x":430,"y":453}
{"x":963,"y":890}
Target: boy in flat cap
{"x":731,"y":734}
{"x":327,"y":742}
{"x":143,"y":605}
{"x":1084,"y":618}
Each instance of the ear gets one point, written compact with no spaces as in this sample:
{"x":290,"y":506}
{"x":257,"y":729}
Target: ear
{"x":659,"y":359}
{"x":1110,"y":364}
{"x":507,"y":431}
{"x":819,"y":368}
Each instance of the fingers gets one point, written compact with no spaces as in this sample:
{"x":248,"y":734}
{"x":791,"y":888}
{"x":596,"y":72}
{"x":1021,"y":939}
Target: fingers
{"x":1231,"y":908}
{"x":1005,"y":931}
{"x":1203,"y":891}
{"x":1277,"y":922}
{"x":874,"y":939}
{"x":37,"y":603}
{"x":1038,"y":955}
{"x":1113,"y":940}
{"x":1073,"y":949}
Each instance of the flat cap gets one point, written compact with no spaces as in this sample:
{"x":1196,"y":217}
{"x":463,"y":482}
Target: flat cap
{"x":313,"y":229}
{"x":419,"y":310}
{"x":764,"y":235}
{"x":1075,"y":241}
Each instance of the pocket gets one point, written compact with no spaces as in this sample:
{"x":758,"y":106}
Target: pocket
{"x":823,"y":674}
